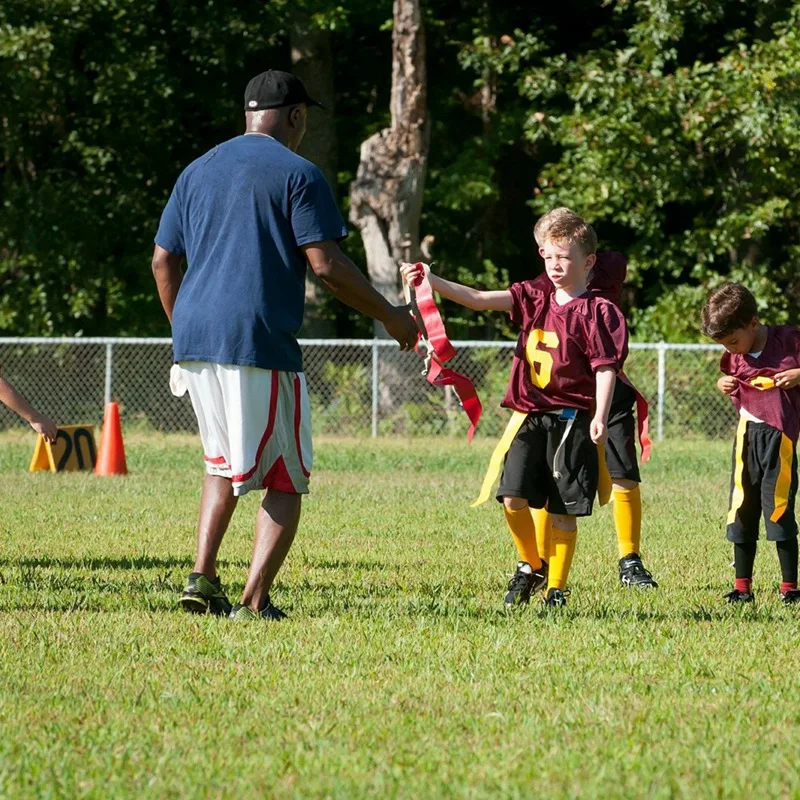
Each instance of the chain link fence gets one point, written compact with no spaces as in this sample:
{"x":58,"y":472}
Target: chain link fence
{"x":358,"y":387}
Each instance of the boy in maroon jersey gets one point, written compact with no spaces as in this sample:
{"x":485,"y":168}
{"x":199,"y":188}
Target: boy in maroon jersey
{"x":606,"y":279}
{"x":571,"y":345}
{"x":761,"y":373}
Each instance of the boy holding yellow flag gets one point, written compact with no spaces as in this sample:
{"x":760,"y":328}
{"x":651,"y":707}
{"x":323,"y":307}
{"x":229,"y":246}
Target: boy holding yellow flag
{"x":761,"y":374}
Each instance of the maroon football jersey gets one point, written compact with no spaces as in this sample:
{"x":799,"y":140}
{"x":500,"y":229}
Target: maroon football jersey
{"x":560,"y":348}
{"x":754,"y":391}
{"x":608,"y":276}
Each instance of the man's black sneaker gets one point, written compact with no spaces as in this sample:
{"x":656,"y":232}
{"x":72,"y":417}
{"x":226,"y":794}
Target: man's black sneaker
{"x":739,"y":597}
{"x":633,"y":573}
{"x":791,"y":597}
{"x":556,"y":597}
{"x":202,"y":596}
{"x":240,"y":613}
{"x":524,"y":582}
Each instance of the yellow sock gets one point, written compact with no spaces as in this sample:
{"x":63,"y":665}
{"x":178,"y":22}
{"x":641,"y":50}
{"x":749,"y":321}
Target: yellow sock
{"x":628,"y":520}
{"x":520,"y":523}
{"x":562,"y":548}
{"x":541,"y":521}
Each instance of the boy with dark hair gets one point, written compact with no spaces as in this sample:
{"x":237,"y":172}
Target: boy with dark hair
{"x":761,"y":374}
{"x":572,"y":344}
{"x":606,"y":279}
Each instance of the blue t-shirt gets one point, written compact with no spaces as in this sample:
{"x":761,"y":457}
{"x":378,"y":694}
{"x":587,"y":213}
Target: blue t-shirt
{"x":240,"y":214}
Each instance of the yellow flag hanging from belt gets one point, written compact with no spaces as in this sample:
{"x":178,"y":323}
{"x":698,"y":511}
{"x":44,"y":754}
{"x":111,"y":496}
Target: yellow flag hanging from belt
{"x":604,"y":480}
{"x":496,"y":461}
{"x":737,"y":495}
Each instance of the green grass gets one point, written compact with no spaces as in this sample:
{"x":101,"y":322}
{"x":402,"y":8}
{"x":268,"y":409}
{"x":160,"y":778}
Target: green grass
{"x":397,"y":675}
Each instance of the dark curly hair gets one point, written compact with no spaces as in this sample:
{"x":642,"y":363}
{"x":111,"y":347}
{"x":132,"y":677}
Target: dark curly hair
{"x":728,"y":308}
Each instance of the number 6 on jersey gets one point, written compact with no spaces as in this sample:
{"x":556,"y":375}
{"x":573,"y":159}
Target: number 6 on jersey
{"x":540,"y":378}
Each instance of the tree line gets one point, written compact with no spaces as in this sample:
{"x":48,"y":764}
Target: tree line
{"x":672,"y":125}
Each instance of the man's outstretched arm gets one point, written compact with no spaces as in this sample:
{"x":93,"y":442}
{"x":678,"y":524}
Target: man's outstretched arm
{"x":342,"y":278}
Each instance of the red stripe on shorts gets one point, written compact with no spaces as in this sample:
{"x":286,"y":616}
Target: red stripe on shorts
{"x":217,"y":460}
{"x":278,"y":478}
{"x":273,"y":404}
{"x":297,"y":425}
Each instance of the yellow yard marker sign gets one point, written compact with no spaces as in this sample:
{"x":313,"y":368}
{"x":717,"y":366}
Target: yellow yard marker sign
{"x":74,"y":449}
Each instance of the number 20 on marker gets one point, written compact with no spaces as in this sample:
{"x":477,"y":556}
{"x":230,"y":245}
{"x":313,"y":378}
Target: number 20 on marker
{"x":74,"y":449}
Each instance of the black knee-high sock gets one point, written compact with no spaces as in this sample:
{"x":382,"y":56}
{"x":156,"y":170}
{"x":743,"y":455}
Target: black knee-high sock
{"x":744,"y":556}
{"x":787,"y":556}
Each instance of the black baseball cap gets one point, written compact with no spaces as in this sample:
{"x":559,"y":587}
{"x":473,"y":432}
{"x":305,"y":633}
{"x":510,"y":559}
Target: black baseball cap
{"x":276,"y":89}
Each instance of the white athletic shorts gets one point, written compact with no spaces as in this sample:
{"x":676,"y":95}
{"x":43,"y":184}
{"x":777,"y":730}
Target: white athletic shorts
{"x":255,"y":425}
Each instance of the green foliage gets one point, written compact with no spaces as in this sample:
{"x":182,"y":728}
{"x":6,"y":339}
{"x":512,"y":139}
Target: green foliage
{"x":348,"y":385}
{"x":103,"y":102}
{"x":683,"y":157}
{"x":673,"y":126}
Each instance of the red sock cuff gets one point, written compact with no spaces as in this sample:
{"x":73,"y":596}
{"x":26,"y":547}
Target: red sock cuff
{"x":788,"y":587}
{"x":743,"y":585}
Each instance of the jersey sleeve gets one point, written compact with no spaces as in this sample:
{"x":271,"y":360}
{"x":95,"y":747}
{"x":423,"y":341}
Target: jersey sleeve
{"x":315,"y":217}
{"x":526,"y":303}
{"x":607,"y":344}
{"x":170,"y":229}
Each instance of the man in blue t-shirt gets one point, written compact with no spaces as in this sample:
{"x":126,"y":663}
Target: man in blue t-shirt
{"x":248,"y":217}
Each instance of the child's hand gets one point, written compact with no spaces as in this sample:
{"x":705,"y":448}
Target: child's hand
{"x":414,"y":273}
{"x":46,"y":427}
{"x":726,"y":384}
{"x":598,"y":430}
{"x":787,"y":379}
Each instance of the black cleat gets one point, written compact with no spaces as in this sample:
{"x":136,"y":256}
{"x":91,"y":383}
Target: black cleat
{"x":240,"y":613}
{"x":739,"y":597}
{"x":632,"y":573}
{"x":202,"y":596}
{"x":791,"y":597}
{"x":524,"y":582}
{"x":556,"y":597}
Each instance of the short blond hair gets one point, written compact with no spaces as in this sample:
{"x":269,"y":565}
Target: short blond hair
{"x":564,"y":225}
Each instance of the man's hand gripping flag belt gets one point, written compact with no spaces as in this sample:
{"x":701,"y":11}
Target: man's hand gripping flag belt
{"x":435,"y":348}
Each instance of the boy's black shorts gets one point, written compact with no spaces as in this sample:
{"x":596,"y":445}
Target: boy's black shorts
{"x":768,"y":462}
{"x":621,"y":458}
{"x":547,"y":444}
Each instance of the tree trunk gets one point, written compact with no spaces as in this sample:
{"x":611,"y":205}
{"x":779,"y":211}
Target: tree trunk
{"x":386,"y":196}
{"x":312,"y":62}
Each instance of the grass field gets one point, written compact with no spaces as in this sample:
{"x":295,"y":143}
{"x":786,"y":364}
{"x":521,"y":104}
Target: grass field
{"x":398,"y":673}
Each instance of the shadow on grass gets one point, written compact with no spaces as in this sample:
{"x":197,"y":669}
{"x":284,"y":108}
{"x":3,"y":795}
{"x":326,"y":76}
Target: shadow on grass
{"x":106,"y":563}
{"x":63,"y":585}
{"x":373,"y":606}
{"x":344,"y":564}
{"x":696,"y":614}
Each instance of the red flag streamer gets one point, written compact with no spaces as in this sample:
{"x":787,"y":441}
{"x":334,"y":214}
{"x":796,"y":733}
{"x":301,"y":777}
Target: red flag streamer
{"x":642,"y":419}
{"x":435,"y":348}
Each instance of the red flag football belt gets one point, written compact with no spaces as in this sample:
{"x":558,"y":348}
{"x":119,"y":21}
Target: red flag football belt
{"x":435,"y":348}
{"x":642,"y":418}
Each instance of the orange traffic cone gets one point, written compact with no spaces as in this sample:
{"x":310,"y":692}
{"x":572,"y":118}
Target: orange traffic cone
{"x":111,"y":455}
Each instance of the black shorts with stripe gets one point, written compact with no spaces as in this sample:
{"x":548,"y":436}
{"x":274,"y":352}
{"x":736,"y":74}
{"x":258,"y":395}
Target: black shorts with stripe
{"x":552,"y":463}
{"x":763,"y":483}
{"x":621,"y":458}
